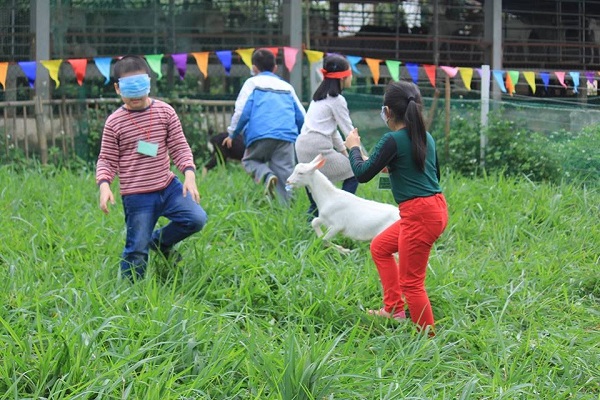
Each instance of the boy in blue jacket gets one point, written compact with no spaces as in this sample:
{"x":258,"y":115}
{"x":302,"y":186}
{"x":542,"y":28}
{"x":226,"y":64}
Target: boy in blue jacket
{"x":270,"y":115}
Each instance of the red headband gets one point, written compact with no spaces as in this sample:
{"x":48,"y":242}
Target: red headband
{"x":336,"y":75}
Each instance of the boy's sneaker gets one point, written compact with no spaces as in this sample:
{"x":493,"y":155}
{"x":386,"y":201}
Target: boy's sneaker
{"x":270,"y":184}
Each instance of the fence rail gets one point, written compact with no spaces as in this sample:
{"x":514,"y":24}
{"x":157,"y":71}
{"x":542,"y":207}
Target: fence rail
{"x":63,"y":128}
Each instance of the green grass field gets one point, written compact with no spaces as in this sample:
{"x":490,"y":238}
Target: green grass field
{"x":261,"y":309}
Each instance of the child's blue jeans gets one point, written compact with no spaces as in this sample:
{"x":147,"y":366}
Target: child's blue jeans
{"x":142,"y":212}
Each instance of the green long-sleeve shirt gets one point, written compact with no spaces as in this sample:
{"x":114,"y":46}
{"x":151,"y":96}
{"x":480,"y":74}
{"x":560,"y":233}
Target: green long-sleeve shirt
{"x":394,"y":152}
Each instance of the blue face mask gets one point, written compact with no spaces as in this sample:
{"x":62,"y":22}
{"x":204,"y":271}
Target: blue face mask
{"x":134,"y":86}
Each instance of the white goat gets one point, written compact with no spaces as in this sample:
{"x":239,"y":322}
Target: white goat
{"x":340,"y":211}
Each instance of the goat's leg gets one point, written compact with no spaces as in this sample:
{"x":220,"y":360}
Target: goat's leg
{"x":317,"y":224}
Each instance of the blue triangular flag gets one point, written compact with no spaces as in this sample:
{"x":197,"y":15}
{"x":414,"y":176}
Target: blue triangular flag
{"x":499,"y":77}
{"x":103,"y":65}
{"x":353,"y":60}
{"x":413,"y":70}
{"x":575,"y":77}
{"x":225,"y":58}
{"x":29,"y":67}
{"x":545,"y":78}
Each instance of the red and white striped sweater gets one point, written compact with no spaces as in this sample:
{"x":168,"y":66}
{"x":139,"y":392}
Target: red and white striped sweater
{"x":139,"y":173}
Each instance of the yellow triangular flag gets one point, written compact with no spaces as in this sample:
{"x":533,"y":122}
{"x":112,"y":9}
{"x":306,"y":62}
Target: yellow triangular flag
{"x":246,"y":55}
{"x":202,"y":61}
{"x":373,"y":64}
{"x":530,"y":79}
{"x":53,"y":66}
{"x":467,"y":75}
{"x":313,"y":55}
{"x":3,"y":72}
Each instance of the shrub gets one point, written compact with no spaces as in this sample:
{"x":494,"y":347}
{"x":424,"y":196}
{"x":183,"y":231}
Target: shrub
{"x":511,"y":148}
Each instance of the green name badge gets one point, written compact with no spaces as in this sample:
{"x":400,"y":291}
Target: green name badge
{"x":147,"y":148}
{"x":384,"y":182}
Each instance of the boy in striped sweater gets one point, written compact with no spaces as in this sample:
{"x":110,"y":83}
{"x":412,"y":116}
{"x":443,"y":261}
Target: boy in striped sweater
{"x":138,"y":142}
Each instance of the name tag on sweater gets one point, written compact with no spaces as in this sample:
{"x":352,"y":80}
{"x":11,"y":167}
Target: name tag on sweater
{"x":147,"y":148}
{"x":384,"y":182}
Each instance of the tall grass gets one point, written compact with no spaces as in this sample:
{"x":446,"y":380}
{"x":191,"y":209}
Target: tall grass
{"x":261,"y":309}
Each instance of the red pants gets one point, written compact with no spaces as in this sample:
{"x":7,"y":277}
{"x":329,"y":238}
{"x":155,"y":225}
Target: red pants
{"x":422,"y":221}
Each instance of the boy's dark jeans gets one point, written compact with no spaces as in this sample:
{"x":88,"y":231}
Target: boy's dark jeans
{"x":141,"y":215}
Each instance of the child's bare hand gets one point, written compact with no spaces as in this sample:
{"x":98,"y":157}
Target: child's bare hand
{"x":106,"y":196}
{"x":352,"y":139}
{"x":189,"y":186}
{"x":227,"y":142}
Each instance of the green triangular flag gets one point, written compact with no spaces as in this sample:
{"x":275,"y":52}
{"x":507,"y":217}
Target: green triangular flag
{"x":394,"y":68}
{"x":154,"y":61}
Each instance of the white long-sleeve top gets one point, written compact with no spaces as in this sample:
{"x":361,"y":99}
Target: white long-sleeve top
{"x":320,"y":134}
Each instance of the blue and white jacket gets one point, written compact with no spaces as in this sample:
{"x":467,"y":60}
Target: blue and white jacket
{"x":267,"y":108}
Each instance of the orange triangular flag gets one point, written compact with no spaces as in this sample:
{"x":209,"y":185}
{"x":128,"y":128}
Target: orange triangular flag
{"x":3,"y":72}
{"x":202,"y":61}
{"x":430,"y":71}
{"x":510,"y":87}
{"x":246,"y":55}
{"x":373,"y":64}
{"x":79,"y":66}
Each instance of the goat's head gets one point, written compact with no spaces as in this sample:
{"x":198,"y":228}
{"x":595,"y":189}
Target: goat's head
{"x":302,"y":172}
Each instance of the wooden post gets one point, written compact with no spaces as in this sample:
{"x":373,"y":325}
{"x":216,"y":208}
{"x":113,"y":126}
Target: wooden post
{"x":41,"y":131}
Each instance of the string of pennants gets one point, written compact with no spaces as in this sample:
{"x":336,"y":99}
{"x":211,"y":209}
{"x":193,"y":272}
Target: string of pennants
{"x":506,"y":80}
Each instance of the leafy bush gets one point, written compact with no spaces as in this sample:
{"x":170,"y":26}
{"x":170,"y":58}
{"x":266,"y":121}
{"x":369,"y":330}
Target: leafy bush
{"x":511,"y":148}
{"x":579,"y":154}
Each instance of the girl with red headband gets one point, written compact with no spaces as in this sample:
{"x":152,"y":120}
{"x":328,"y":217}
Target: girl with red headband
{"x":327,"y":112}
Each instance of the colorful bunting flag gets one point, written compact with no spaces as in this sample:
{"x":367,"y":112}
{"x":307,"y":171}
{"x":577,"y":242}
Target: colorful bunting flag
{"x":103,"y":65}
{"x":79,"y":66}
{"x":560,"y":75}
{"x":154,"y":61}
{"x":512,"y":78}
{"x":3,"y":73}
{"x":510,"y":87}
{"x":202,"y":61}
{"x":575,"y":77}
{"x":413,"y":71}
{"x":274,"y":50}
{"x":313,"y":56}
{"x":394,"y":69}
{"x":530,"y":79}
{"x":450,"y":71}
{"x":373,"y":64}
{"x":353,"y":60}
{"x":430,"y":71}
{"x":180,"y":61}
{"x":289,"y":57}
{"x":467,"y":76}
{"x":225,"y":57}
{"x":246,"y":55}
{"x":545,"y":78}
{"x":498,"y":76}
{"x":29,"y":68}
{"x":589,"y":76}
{"x":52,"y":66}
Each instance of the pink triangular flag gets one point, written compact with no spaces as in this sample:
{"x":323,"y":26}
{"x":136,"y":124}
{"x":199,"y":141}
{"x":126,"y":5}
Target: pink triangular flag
{"x":450,"y":71}
{"x":561,"y":78}
{"x":289,"y":57}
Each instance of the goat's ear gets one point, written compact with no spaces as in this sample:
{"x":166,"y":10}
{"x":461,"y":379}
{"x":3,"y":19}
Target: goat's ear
{"x":318,"y":158}
{"x":320,"y":163}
